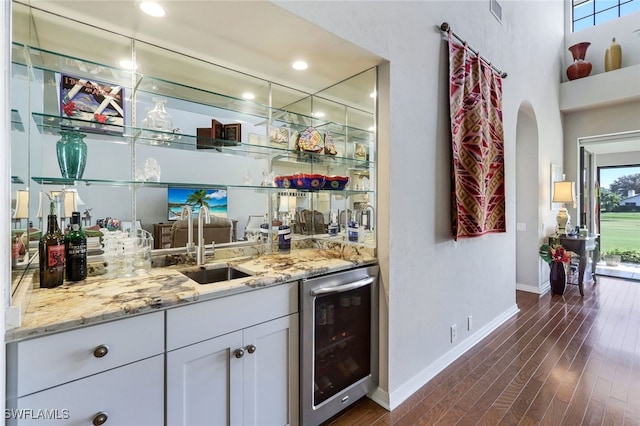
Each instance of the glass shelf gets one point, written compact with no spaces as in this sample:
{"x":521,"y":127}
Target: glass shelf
{"x":146,"y":184}
{"x":187,"y":94}
{"x":16,"y":121}
{"x":53,"y":124}
{"x":45,"y":60}
{"x":53,"y":62}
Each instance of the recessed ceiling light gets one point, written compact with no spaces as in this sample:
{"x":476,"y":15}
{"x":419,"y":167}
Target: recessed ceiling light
{"x":318,"y":114}
{"x":299,"y":65}
{"x":248,"y":95}
{"x":152,"y":8}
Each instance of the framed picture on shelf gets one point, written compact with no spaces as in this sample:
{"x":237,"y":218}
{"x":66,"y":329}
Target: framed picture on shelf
{"x":279,"y":137}
{"x":217,"y":129}
{"x":232,"y":132}
{"x":99,"y":104}
{"x":205,"y":139}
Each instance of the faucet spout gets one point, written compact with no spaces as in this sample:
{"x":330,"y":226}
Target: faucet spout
{"x":203,"y":217}
{"x":186,"y":210}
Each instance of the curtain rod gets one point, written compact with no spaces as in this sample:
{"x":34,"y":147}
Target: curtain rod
{"x":447,"y":29}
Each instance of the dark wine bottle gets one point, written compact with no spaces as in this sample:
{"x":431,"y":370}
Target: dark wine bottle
{"x":76,"y":250}
{"x":51,"y":253}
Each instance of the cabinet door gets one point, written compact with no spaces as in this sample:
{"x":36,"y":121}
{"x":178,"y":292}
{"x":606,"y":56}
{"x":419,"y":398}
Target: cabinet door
{"x":204,"y":383}
{"x":129,"y":395}
{"x":271,"y":372}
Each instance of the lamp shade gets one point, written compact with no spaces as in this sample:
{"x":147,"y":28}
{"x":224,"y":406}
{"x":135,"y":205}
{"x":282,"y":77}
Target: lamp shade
{"x":287,"y":203}
{"x":22,"y":205}
{"x":564,"y":192}
{"x":70,"y":203}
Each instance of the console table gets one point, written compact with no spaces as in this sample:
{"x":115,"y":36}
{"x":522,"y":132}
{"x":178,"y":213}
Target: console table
{"x":582,"y":246}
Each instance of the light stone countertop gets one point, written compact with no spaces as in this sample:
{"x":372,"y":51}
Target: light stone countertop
{"x":99,"y":298}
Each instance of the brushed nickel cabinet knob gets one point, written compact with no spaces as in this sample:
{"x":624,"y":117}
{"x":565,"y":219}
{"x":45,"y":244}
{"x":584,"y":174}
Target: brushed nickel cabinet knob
{"x":239,"y":353}
{"x":251,"y":349}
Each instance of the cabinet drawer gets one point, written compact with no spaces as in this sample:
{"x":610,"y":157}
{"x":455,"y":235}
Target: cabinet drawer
{"x":51,"y":360}
{"x":201,"y":321}
{"x":128,"y":395}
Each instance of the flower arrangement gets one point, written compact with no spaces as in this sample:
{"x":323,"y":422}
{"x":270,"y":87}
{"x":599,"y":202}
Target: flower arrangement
{"x":555,"y":253}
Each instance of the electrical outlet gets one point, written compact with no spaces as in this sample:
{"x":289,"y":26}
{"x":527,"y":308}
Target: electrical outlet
{"x":454,"y":333}
{"x":470,"y":322}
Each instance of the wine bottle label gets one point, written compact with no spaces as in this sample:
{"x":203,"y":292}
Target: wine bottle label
{"x":55,"y":256}
{"x":76,"y":249}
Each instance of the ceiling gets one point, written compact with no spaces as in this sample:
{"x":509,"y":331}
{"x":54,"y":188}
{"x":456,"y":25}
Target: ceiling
{"x":256,"y":37}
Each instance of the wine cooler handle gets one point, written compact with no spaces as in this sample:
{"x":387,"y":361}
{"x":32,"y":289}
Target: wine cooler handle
{"x":342,"y":288}
{"x":100,"y":418}
{"x":251,"y":349}
{"x":239,"y":353}
{"x":101,"y":351}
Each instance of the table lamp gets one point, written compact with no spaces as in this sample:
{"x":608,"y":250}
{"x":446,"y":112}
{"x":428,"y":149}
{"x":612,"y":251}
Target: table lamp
{"x":21,"y":210}
{"x":563,"y":192}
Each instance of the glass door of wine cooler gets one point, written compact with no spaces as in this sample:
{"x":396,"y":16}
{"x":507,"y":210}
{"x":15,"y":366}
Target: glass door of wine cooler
{"x":339,"y":341}
{"x":342,"y":337}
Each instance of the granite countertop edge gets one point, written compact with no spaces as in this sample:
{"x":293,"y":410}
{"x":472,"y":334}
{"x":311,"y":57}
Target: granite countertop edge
{"x":102,"y":299}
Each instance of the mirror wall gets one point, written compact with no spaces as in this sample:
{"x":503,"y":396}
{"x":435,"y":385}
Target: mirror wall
{"x":131,"y":172}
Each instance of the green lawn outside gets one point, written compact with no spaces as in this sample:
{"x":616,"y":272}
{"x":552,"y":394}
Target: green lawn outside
{"x":620,"y":230}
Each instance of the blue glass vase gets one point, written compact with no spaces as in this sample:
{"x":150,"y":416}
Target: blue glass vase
{"x":72,"y":154}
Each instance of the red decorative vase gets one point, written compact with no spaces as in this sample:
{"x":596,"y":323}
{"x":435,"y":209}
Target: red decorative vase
{"x":580,"y":68}
{"x":558,"y":278}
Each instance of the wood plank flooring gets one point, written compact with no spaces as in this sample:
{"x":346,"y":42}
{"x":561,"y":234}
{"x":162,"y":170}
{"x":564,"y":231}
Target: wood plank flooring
{"x":562,"y":360}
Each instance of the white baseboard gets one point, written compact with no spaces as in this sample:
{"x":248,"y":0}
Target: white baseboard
{"x":393,"y":399}
{"x":534,"y":289}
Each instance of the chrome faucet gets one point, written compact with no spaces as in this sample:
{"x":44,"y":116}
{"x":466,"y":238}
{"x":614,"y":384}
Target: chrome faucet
{"x":370,"y":212}
{"x":203,"y":216}
{"x":186,"y":210}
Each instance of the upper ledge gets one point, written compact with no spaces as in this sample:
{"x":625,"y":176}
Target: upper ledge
{"x":609,"y":88}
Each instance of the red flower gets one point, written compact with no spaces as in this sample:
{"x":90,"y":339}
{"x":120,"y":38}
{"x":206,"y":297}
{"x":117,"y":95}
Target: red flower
{"x":69,"y":108}
{"x":559,"y":254}
{"x":100,"y":118}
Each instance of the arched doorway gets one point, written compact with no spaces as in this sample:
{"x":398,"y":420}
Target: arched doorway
{"x":527,"y":201}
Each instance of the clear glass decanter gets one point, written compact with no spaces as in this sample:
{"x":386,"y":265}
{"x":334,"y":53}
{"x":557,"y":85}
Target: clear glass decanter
{"x":159,"y":119}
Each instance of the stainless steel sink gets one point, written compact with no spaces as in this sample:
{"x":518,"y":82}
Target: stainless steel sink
{"x":215,"y":274}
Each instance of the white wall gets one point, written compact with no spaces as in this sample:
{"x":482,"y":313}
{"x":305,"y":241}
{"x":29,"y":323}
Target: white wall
{"x":609,"y":118}
{"x":431,"y":281}
{"x":618,"y":159}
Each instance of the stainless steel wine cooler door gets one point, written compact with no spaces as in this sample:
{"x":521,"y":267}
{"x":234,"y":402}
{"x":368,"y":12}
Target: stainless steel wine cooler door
{"x":338,"y":341}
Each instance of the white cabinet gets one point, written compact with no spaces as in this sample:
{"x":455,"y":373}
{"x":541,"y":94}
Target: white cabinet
{"x":111,"y":373}
{"x":129,"y":395}
{"x":226,"y":361}
{"x":246,"y":376}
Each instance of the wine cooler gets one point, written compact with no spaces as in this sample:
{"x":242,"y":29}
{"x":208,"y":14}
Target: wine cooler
{"x":338,"y":341}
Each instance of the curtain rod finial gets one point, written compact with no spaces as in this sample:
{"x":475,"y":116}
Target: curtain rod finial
{"x":444,"y":26}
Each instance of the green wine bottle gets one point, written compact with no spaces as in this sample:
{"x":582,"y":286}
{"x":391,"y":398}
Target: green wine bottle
{"x":76,"y":250}
{"x":51,"y":253}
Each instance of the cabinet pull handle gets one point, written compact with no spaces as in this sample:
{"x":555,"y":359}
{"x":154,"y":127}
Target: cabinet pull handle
{"x":239,"y":353}
{"x":101,"y":351}
{"x":251,"y":349}
{"x":100,"y":418}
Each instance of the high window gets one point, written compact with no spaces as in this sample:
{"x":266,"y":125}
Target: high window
{"x":587,"y":13}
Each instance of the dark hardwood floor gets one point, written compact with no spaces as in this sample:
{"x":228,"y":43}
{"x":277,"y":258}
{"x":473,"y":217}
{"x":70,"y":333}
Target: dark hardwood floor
{"x":562,"y":360}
